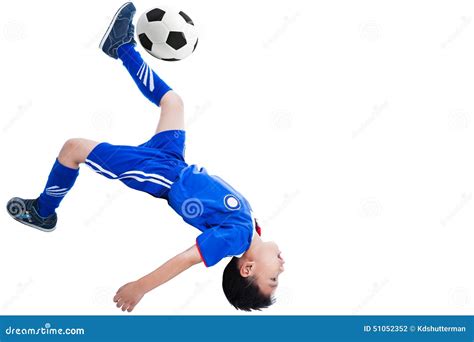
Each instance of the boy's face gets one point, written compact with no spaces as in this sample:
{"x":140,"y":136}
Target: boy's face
{"x":268,"y":266}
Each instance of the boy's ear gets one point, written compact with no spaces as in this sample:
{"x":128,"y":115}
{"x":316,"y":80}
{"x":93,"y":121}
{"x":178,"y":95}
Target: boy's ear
{"x":247,"y":268}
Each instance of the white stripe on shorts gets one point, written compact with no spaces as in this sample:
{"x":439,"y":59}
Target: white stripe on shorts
{"x":153,"y":175}
{"x":100,"y":168}
{"x":155,"y":178}
{"x":152,"y":180}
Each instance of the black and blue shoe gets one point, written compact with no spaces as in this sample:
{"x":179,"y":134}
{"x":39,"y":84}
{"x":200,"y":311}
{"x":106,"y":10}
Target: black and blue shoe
{"x":26,"y":212}
{"x":120,"y":31}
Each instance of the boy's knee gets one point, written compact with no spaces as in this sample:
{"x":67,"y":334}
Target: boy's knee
{"x":171,"y":99}
{"x":70,"y":154}
{"x":72,"y":144}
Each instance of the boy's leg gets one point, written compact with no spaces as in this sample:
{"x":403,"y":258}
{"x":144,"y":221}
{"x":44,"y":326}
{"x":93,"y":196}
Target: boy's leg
{"x":75,"y":151}
{"x":172,"y":113}
{"x":118,"y":42}
{"x":63,"y":174}
{"x":40,"y":213}
{"x":154,"y":89}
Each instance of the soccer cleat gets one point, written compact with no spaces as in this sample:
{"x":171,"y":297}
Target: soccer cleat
{"x":26,"y":212}
{"x":120,"y":31}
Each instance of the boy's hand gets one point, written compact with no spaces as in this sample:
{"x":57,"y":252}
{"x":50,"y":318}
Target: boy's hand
{"x":129,"y":295}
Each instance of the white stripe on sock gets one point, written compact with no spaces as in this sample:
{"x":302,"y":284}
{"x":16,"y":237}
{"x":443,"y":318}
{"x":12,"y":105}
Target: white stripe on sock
{"x":57,"y":194}
{"x":56,"y":190}
{"x":152,"y":81}
{"x":141,"y":67}
{"x":146,"y":75}
{"x":143,"y":70}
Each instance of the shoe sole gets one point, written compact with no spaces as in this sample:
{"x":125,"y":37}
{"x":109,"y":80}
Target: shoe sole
{"x":29,"y":224}
{"x":112,"y":24}
{"x":32,"y":225}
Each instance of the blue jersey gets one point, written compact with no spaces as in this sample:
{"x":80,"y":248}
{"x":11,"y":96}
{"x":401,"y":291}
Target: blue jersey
{"x":204,"y":201}
{"x":221,"y":213}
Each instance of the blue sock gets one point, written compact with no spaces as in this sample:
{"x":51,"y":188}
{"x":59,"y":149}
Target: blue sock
{"x":146,"y":79}
{"x":60,"y":181}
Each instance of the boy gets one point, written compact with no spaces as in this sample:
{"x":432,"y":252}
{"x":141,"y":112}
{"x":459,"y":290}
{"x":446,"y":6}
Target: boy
{"x":158,"y":168}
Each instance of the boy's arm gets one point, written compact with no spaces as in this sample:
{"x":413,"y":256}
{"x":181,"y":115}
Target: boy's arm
{"x":130,"y":294}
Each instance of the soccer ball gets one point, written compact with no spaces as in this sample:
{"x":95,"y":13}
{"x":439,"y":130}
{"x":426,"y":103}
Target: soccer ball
{"x":167,"y":34}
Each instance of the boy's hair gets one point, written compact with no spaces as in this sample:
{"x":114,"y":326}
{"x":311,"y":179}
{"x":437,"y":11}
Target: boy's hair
{"x":243,"y":293}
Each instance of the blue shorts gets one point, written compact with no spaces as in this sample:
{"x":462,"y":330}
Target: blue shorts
{"x":151,"y":167}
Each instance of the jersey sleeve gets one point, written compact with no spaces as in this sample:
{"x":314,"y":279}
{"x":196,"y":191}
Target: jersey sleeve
{"x":214,"y":244}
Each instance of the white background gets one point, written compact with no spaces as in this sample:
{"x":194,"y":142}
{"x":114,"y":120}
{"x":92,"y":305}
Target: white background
{"x":347,"y":125}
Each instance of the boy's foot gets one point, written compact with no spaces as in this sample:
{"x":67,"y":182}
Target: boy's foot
{"x":120,"y":30}
{"x":26,"y":212}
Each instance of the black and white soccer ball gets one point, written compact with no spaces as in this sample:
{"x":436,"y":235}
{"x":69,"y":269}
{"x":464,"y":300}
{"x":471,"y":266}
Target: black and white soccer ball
{"x":167,"y":34}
